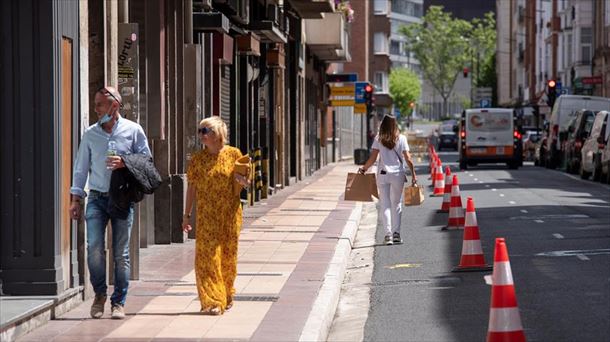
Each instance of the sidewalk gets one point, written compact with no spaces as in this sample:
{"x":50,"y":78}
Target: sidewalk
{"x":292,"y":254}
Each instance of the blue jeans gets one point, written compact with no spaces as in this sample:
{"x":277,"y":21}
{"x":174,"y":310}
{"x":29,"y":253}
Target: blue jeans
{"x":97,"y":218}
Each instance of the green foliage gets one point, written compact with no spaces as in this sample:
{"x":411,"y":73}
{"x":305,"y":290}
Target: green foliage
{"x":483,"y":38}
{"x":445,"y":45}
{"x":405,"y":87}
{"x":440,"y":44}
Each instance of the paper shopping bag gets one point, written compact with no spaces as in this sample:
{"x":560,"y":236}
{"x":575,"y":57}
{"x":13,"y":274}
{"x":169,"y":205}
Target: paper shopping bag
{"x":360,"y":187}
{"x":243,"y":167}
{"x":414,"y":195}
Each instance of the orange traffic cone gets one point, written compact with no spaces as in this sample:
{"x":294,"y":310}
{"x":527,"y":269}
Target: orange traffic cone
{"x":447,"y":195}
{"x":439,"y":184}
{"x":456,"y":211}
{"x":433,"y":173}
{"x":472,"y":252}
{"x":504,"y":318}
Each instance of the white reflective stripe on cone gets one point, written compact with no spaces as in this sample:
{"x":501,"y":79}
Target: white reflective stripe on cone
{"x":455,"y":190}
{"x":471,"y":219}
{"x":502,"y":274}
{"x":454,"y":212}
{"x":504,"y":320}
{"x":471,"y":247}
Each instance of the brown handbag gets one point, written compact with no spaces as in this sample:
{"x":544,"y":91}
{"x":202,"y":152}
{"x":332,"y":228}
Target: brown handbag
{"x":243,"y":166}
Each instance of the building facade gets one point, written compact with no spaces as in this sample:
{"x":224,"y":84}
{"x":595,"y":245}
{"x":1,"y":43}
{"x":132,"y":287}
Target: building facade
{"x":565,"y":41}
{"x":257,"y":64}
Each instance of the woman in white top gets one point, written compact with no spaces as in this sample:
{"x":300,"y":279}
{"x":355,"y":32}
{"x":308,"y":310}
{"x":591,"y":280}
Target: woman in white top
{"x":391,"y":147}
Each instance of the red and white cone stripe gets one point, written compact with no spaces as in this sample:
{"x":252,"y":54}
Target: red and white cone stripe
{"x":456,"y":211}
{"x":504,"y":317}
{"x":447,"y":195}
{"x":472,"y":253}
{"x":439,"y":185}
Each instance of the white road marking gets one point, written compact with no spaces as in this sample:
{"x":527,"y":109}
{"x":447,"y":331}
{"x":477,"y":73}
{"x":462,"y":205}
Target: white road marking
{"x":538,"y":221}
{"x":582,"y":252}
{"x":512,"y":202}
{"x":471,"y":175}
{"x":476,"y":179}
{"x":494,"y":189}
{"x":582,"y":257}
{"x":558,"y":236}
{"x":487,"y":185}
{"x":481,"y":182}
{"x":523,"y":211}
{"x":488,"y":279}
{"x":501,"y":195}
{"x":551,"y":217}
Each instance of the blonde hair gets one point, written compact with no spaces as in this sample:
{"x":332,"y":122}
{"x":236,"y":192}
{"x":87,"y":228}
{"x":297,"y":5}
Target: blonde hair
{"x":388,"y":131}
{"x":217,"y":126}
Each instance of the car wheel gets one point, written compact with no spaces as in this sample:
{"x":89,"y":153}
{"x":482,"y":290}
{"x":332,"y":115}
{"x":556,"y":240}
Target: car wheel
{"x":584,"y":174}
{"x":597,"y":170}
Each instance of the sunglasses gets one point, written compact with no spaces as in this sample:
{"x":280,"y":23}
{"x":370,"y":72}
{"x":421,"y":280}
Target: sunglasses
{"x":204,"y":130}
{"x":105,"y":92}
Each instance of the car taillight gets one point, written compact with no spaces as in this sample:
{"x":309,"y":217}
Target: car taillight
{"x":463,"y":134}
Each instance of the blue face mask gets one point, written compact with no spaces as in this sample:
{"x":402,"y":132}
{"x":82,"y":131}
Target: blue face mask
{"x":105,"y":119}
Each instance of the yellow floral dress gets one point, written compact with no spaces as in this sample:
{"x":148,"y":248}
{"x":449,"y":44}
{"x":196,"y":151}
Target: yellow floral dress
{"x":219,"y":219}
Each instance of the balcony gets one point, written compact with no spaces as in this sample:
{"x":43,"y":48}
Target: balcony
{"x":312,"y":9}
{"x":328,"y":38}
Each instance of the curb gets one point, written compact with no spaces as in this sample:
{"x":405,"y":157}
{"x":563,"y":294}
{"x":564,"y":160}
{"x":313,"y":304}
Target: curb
{"x":323,"y":310}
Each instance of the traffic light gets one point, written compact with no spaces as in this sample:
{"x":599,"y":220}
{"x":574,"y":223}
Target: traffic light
{"x":551,"y":92}
{"x":368,"y":98}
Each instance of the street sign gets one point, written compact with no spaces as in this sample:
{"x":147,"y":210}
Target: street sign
{"x":342,"y":103}
{"x":592,"y":80}
{"x":347,"y":90}
{"x":359,"y":92}
{"x":359,"y":108}
{"x":485,"y":103}
{"x":335,"y":78}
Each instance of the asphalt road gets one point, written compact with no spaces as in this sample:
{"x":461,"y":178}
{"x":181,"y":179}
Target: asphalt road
{"x":562,"y":296}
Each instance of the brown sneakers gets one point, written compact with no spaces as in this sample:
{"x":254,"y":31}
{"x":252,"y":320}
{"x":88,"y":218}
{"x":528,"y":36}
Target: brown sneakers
{"x":97,"y":308}
{"x":118,"y":312}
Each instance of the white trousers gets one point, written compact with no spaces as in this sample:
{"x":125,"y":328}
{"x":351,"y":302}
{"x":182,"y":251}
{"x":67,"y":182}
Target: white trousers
{"x":390,"y":187}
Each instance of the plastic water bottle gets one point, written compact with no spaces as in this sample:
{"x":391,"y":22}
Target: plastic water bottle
{"x":111,"y":150}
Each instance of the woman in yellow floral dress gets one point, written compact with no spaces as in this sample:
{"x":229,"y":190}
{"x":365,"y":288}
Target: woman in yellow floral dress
{"x":218,"y":216}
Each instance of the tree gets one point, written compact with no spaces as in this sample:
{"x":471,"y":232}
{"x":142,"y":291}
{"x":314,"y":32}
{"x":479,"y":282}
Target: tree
{"x":441,"y":45}
{"x":483,"y":46}
{"x":405,"y":88}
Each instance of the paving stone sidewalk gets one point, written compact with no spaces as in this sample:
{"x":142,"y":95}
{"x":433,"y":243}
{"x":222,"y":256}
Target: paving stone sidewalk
{"x":288,"y":248}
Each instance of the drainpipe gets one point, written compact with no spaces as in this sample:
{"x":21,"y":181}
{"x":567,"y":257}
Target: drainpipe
{"x":188,"y":21}
{"x":123,"y":11}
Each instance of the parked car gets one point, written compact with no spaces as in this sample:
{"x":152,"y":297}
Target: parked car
{"x":578,"y":131}
{"x":601,"y":170}
{"x":590,"y":148}
{"x":563,"y":110}
{"x":448,"y":140}
{"x":530,"y":140}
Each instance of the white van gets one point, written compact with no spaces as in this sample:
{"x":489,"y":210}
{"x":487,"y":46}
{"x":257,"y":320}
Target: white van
{"x":490,"y":135}
{"x":564,"y":109}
